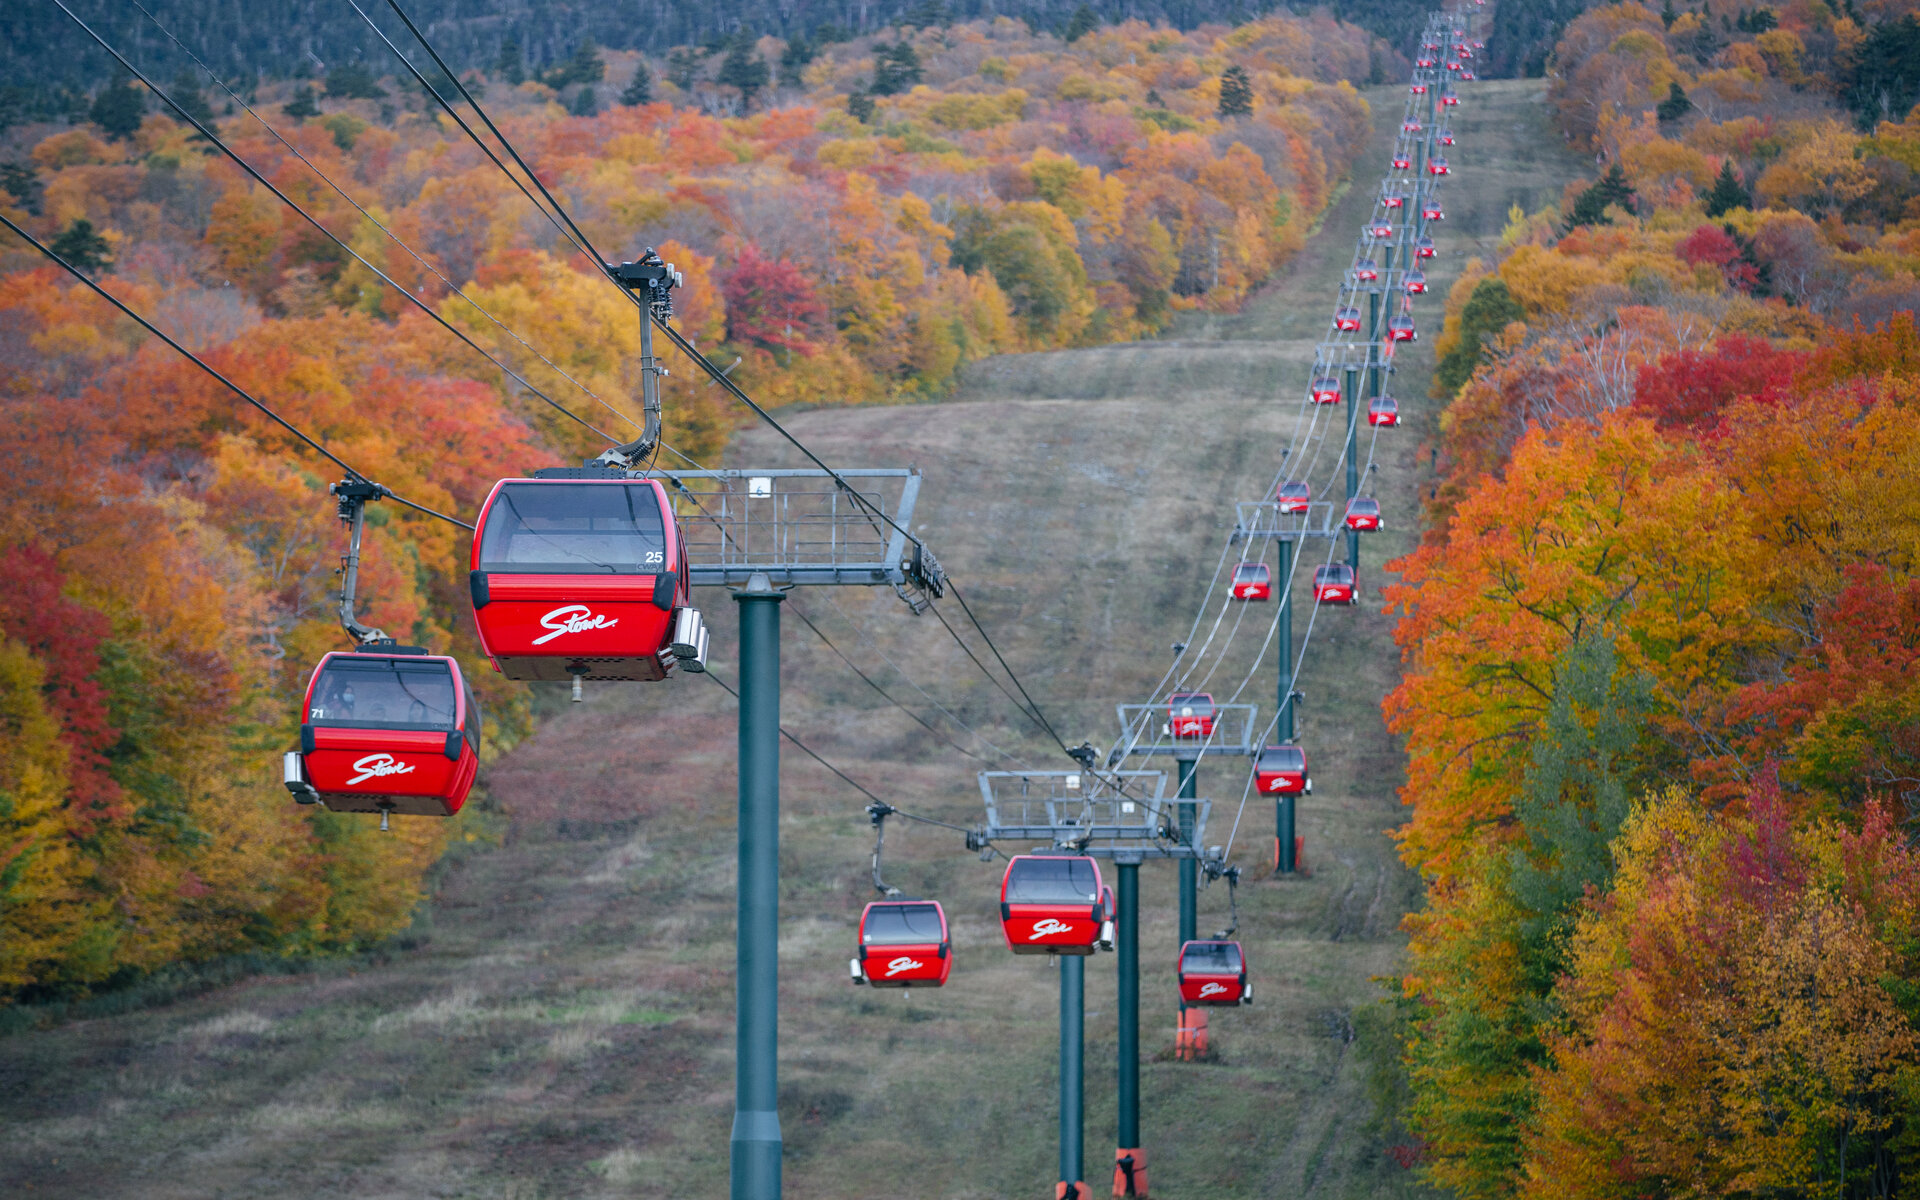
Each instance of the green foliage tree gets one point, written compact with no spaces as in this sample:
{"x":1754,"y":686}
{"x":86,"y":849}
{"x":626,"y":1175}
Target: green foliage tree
{"x":82,"y":247}
{"x":1080,"y":24}
{"x":510,"y":64}
{"x":1676,"y":105}
{"x":744,"y":71}
{"x":639,"y":88}
{"x":585,"y":102}
{"x":1590,"y":207}
{"x":1236,"y":92}
{"x":1727,"y":193}
{"x":860,"y":107}
{"x":353,"y":81}
{"x":896,"y":69}
{"x":302,"y":105}
{"x":1505,"y":947}
{"x":1490,"y":308}
{"x":118,"y":109}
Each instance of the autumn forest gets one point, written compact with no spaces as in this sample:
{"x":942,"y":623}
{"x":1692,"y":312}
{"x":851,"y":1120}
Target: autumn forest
{"x":1659,"y":702}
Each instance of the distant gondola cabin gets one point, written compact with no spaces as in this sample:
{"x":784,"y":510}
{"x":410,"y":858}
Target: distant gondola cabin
{"x":1363,"y":515}
{"x":1293,"y":497}
{"x":1281,"y":771}
{"x":1190,"y":714}
{"x":903,"y":944}
{"x":387,"y":729}
{"x":1383,"y":412}
{"x":1054,"y":904}
{"x":1252,"y":581}
{"x":1335,"y":583}
{"x":1214,"y":974}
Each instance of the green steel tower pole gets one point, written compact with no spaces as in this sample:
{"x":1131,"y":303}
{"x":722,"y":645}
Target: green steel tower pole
{"x":1189,"y":866}
{"x":1073,"y":990}
{"x":755,"y":1145}
{"x":1129,"y":953}
{"x":1351,"y":385}
{"x":1283,"y":633}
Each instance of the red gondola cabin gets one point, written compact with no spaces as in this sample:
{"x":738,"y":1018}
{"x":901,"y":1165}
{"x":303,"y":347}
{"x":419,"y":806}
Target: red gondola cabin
{"x":1054,"y":904}
{"x":1423,"y":247}
{"x":1282,"y":771}
{"x":1445,"y":137}
{"x":1252,"y":581}
{"x":1325,"y":390}
{"x":1363,"y":515}
{"x":1383,"y":411}
{"x":1366,"y":271}
{"x":1449,"y":100}
{"x":578,"y":573}
{"x":387,"y":729}
{"x":1214,"y":974}
{"x":903,"y":944}
{"x":1469,"y":76}
{"x":1401,"y":329}
{"x":1439,"y":166}
{"x":1393,"y":198}
{"x":1380,"y":230}
{"x":1190,"y":714}
{"x":1293,"y":497}
{"x":1410,"y":125}
{"x":1346,"y":319}
{"x":1335,"y":583}
{"x":1415,"y":282}
{"x":1433,"y":212}
{"x":1402,"y":160}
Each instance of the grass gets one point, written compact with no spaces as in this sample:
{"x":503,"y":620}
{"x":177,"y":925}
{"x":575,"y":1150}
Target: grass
{"x":560,"y":1022}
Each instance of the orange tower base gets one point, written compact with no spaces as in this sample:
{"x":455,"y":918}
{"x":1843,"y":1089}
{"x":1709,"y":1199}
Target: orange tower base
{"x":1130,"y":1173}
{"x":1071,"y":1191}
{"x":1190,"y":1040}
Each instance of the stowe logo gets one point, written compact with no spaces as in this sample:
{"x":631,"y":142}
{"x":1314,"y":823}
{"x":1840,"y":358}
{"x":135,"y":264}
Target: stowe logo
{"x":903,"y":963}
{"x":572,"y":618}
{"x":1213,"y":989}
{"x":373,"y":766}
{"x":1048,"y":927}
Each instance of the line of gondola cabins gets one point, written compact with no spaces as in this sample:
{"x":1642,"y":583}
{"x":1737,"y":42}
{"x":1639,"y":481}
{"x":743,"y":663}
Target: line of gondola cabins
{"x":580,"y":574}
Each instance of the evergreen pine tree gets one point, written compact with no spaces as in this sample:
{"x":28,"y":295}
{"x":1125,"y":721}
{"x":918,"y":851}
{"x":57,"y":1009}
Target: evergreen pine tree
{"x":22,"y":182}
{"x":510,"y":64}
{"x":1667,"y":15}
{"x":1590,"y":208}
{"x":118,"y":109}
{"x":860,"y":107}
{"x":585,"y":102}
{"x":794,"y":60}
{"x":187,"y":94}
{"x":896,"y":69}
{"x":1081,"y":24}
{"x":1728,"y":193}
{"x":301,"y":106}
{"x":639,"y":88}
{"x":1236,"y":92}
{"x":745,"y":71}
{"x":84,"y":248}
{"x":1676,"y":105}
